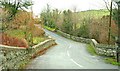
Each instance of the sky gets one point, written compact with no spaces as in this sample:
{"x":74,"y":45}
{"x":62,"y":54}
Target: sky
{"x":81,"y":5}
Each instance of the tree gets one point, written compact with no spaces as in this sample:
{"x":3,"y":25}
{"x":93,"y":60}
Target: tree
{"x":13,"y":6}
{"x":107,"y":4}
{"x":56,"y":15}
{"x":49,"y":17}
{"x":45,"y":16}
{"x":75,"y":19}
{"x":67,"y":22}
{"x":109,"y":7}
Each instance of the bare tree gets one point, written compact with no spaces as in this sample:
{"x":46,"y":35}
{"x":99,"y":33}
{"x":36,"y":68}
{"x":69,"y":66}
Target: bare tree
{"x":107,"y":4}
{"x":109,"y":8}
{"x":75,"y":17}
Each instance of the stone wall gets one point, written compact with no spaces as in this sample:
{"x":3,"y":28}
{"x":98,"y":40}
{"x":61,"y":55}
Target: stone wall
{"x":79,"y":39}
{"x":16,"y":57}
{"x":105,"y":50}
{"x":101,"y":49}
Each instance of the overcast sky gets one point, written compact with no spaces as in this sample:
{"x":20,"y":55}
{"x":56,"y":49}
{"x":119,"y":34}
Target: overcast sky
{"x":81,"y":5}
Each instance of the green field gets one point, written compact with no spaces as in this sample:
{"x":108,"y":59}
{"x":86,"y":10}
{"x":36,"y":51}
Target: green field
{"x":90,"y":15}
{"x":94,"y":13}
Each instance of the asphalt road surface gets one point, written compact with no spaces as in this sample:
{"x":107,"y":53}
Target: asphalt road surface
{"x":68,"y":54}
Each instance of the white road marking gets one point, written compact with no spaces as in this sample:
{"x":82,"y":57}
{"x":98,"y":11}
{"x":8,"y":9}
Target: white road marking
{"x":76,"y":63}
{"x":72,"y":59}
{"x":69,"y":46}
{"x":68,"y":53}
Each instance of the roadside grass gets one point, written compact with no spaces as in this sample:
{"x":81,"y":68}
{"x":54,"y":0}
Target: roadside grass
{"x":90,"y":49}
{"x":108,"y":60}
{"x":111,"y":60}
{"x":37,"y":40}
{"x":48,"y":28}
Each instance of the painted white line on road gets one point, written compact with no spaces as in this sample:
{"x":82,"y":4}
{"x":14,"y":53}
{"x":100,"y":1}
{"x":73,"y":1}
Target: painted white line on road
{"x":76,"y":63}
{"x":72,"y":59}
{"x":69,"y":46}
{"x":68,"y":50}
{"x":68,"y":53}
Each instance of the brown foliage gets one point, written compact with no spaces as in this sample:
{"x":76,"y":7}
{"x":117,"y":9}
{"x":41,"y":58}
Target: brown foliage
{"x":37,"y":21}
{"x":99,"y":29}
{"x":25,"y":21}
{"x":35,"y":30}
{"x":12,"y":41}
{"x":38,"y":32}
{"x":21,"y":19}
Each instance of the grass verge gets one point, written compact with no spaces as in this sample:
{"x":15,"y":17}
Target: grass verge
{"x":37,"y":40}
{"x":111,"y":60}
{"x":48,"y":28}
{"x":90,"y":49}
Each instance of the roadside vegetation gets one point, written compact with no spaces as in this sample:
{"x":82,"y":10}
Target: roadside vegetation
{"x":18,"y":26}
{"x":111,"y":60}
{"x":48,"y":28}
{"x":91,"y":50}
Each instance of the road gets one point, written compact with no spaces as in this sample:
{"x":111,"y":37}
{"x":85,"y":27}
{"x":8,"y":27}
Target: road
{"x":68,"y":54}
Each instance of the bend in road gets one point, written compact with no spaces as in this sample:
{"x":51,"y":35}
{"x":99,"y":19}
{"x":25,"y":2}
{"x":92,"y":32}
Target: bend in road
{"x":68,"y":54}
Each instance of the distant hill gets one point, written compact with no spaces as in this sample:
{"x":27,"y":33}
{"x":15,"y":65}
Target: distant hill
{"x":94,"y":13}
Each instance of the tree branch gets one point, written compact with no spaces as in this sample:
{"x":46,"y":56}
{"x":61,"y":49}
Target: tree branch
{"x":106,"y":4}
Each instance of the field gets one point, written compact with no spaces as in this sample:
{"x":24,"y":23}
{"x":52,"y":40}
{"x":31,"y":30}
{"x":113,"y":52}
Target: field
{"x":87,"y":16}
{"x":94,"y":13}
